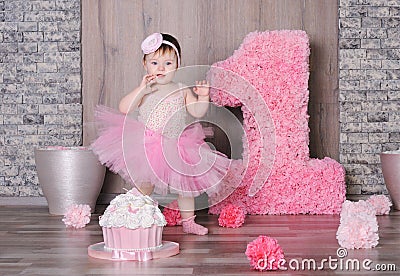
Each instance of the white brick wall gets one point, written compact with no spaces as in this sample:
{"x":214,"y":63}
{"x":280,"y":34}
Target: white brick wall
{"x":369,"y":83}
{"x":40,"y":85}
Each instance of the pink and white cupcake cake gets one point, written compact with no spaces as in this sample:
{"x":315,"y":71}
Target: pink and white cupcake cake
{"x":132,"y":222}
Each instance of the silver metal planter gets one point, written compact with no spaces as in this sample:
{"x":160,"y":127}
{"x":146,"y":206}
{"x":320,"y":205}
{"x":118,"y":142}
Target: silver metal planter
{"x":390,"y":162}
{"x":69,"y":176}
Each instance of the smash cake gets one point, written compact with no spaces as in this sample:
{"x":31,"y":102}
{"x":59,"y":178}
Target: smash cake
{"x":132,"y":228}
{"x":132,"y":222}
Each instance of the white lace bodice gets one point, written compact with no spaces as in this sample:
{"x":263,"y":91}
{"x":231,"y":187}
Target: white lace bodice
{"x":164,"y":113}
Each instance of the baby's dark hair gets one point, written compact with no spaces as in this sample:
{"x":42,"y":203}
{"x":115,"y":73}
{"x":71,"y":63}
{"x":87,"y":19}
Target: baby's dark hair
{"x":168,"y":48}
{"x":173,"y":40}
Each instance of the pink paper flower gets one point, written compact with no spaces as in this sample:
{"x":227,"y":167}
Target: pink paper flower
{"x":381,"y":204}
{"x":352,"y":209}
{"x":172,"y":214}
{"x":231,"y":216}
{"x":358,"y":226}
{"x":152,"y":43}
{"x":264,"y":253}
{"x":77,"y":216}
{"x":358,"y":233}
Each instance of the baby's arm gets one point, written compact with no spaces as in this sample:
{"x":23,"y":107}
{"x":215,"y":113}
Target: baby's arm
{"x":197,"y":106}
{"x":134,"y":98}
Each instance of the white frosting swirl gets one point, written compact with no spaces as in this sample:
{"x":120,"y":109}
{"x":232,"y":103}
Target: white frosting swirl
{"x":132,"y":210}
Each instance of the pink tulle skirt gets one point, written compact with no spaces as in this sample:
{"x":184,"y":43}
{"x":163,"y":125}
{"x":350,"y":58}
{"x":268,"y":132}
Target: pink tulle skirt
{"x":185,"y":165}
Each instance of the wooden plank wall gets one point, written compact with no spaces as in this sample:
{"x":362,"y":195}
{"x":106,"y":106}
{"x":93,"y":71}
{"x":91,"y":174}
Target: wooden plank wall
{"x":209,"y":31}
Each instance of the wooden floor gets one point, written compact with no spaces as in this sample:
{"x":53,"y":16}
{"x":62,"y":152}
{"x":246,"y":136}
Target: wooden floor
{"x":32,"y":242}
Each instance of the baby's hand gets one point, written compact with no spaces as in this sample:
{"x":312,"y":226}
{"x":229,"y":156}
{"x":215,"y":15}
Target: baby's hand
{"x":147,"y":83}
{"x":202,"y":88}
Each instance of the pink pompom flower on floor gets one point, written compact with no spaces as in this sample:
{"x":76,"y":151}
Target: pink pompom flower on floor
{"x":358,"y":233}
{"x":381,"y":204}
{"x":264,"y":253}
{"x":77,"y":216}
{"x":231,"y":216}
{"x":358,"y":226}
{"x":172,"y":214}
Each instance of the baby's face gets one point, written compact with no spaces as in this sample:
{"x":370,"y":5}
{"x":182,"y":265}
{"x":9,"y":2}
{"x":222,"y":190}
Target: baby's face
{"x":162,"y":65}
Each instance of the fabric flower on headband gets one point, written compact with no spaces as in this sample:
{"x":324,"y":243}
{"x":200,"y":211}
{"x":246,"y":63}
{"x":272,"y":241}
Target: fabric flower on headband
{"x":77,"y":216}
{"x":152,"y":43}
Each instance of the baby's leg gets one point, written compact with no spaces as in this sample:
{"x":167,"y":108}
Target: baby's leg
{"x":186,"y":206}
{"x":145,"y":188}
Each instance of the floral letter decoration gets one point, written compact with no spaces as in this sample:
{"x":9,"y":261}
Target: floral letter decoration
{"x":77,"y":216}
{"x":275,"y":63}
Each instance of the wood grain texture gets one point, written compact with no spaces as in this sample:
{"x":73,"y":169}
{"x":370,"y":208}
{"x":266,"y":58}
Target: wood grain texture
{"x":323,"y":83}
{"x":32,"y":242}
{"x":209,"y":31}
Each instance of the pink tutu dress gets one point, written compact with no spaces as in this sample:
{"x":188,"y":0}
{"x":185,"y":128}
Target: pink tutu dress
{"x":159,"y":147}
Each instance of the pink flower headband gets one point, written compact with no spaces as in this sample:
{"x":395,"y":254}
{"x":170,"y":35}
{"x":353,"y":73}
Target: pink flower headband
{"x":154,"y":41}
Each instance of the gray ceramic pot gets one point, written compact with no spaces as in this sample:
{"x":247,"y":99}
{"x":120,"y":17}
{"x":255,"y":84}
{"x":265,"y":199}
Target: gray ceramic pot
{"x":69,"y":176}
{"x":390,"y":162}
